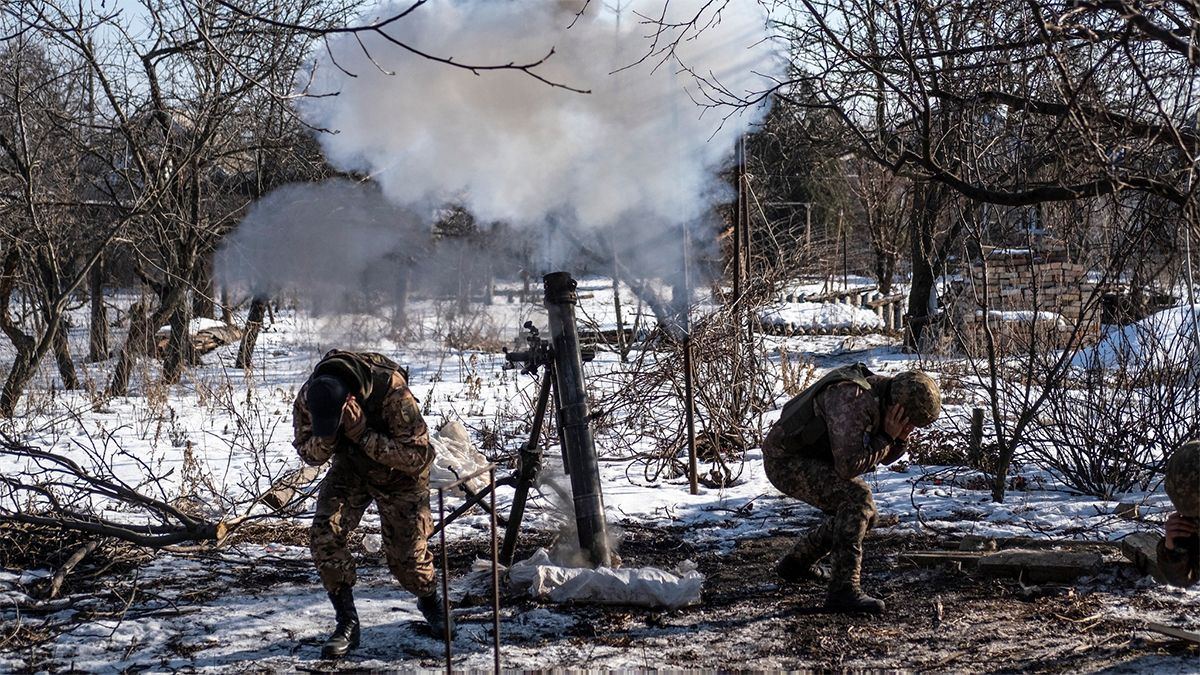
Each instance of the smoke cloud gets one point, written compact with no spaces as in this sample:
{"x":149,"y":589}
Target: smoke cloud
{"x":622,"y":168}
{"x":635,"y":153}
{"x":337,"y":240}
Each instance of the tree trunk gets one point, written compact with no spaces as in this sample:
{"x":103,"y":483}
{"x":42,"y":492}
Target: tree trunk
{"x":180,"y":353}
{"x":14,"y":385}
{"x":98,"y":330}
{"x":925,"y":210}
{"x":202,"y":299}
{"x":226,"y":307}
{"x":62,"y":354}
{"x":258,"y":308}
{"x":142,"y":326}
{"x":885,"y":271}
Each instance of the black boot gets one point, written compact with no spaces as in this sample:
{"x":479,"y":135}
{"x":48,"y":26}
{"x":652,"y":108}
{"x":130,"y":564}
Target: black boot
{"x":435,"y":615}
{"x":345,"y":635}
{"x":794,"y":569}
{"x":852,"y":600}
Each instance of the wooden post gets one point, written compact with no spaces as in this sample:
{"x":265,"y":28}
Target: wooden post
{"x":689,"y":407}
{"x":975,"y":450}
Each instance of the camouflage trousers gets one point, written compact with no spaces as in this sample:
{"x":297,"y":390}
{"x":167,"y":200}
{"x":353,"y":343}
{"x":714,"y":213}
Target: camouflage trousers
{"x":848,"y":505}
{"x":404,"y":518}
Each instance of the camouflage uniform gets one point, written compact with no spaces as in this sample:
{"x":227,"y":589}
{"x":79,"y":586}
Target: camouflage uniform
{"x":826,"y":475}
{"x":390,"y":465}
{"x":1181,"y":566}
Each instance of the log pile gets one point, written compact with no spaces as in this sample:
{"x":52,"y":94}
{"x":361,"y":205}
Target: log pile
{"x":1026,"y":296}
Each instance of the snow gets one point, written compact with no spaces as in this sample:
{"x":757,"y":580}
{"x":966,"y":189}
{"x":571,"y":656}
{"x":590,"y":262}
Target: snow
{"x":1023,"y":315}
{"x":237,"y":429}
{"x":198,"y":324}
{"x":1165,"y":339}
{"x":820,"y":315}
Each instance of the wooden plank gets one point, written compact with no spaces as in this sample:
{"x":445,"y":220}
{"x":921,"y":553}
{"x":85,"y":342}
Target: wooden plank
{"x":1179,"y":633}
{"x":1063,"y":544}
{"x":967,"y":559}
{"x":1041,"y":565}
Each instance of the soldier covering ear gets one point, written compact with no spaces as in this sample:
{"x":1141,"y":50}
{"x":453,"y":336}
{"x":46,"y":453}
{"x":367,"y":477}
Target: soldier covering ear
{"x":842,"y":426}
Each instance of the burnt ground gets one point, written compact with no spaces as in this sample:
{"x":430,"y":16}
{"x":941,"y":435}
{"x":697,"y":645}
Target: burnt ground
{"x":750,"y":619}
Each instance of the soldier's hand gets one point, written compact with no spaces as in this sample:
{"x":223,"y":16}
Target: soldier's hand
{"x":1179,"y":527}
{"x":354,"y":421}
{"x":896,"y":424}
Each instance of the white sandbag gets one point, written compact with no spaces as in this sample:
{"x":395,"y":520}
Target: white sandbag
{"x":641,"y":586}
{"x":455,"y":456}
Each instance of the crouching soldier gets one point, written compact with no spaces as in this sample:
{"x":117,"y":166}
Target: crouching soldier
{"x":357,"y":409}
{"x":842,"y":426}
{"x":1179,"y":549}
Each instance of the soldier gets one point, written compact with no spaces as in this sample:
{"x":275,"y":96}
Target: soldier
{"x":356,"y":408}
{"x":1179,"y":549}
{"x":842,"y":426}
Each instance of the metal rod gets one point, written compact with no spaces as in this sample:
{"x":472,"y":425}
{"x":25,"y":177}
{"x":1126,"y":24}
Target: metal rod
{"x":527,"y":474}
{"x":473,"y":499}
{"x":445,"y":581}
{"x":737,"y":224}
{"x":560,"y":299}
{"x":689,"y":413}
{"x":463,"y":479}
{"x":689,"y":397}
{"x":495,"y":583}
{"x":558,"y":425}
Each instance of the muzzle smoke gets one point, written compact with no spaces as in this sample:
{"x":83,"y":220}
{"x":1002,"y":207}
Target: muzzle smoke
{"x":635,"y":159}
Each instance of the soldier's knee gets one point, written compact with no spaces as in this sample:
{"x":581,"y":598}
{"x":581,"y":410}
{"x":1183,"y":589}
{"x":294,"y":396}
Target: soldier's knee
{"x":324,"y":530}
{"x":870,"y":514}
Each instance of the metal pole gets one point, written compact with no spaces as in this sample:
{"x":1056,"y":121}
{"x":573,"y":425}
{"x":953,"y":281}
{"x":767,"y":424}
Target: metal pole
{"x":445,"y":580}
{"x":690,"y":415}
{"x":577,"y":439}
{"x":737,"y":226}
{"x":558,"y":423}
{"x":845,"y":251}
{"x":529,"y":454}
{"x":490,"y":469}
{"x":495,"y":581}
{"x":689,"y":398}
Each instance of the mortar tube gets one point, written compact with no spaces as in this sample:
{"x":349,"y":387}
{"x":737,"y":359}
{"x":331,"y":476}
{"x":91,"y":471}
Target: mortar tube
{"x":576,"y":439}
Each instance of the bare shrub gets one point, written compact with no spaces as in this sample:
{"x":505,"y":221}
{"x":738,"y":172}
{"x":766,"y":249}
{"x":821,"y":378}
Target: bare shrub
{"x":468,"y":330}
{"x":1107,"y":430}
{"x":639,"y":409}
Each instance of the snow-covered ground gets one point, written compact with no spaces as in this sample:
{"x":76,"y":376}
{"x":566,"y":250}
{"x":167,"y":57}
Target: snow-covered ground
{"x":223,"y":435}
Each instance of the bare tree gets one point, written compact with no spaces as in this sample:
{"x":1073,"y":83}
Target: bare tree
{"x":49,"y":244}
{"x":1005,"y":102}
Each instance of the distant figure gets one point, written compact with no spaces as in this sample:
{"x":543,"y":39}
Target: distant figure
{"x":357,"y":409}
{"x":1179,"y":549}
{"x":843,"y":425}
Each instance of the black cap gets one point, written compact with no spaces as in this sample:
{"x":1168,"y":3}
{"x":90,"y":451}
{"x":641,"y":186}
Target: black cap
{"x":325,"y":397}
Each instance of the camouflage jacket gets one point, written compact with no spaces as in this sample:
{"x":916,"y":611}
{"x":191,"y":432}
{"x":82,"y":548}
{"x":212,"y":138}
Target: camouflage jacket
{"x":396,"y":438}
{"x":1180,"y":567}
{"x":854,"y":418}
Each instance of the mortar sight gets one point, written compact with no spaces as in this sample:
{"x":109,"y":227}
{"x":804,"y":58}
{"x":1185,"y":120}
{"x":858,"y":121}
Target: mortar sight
{"x":537,"y":351}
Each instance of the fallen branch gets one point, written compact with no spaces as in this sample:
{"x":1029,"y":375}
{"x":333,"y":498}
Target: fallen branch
{"x":61,"y":575}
